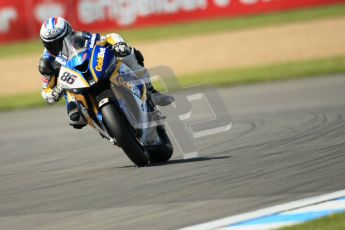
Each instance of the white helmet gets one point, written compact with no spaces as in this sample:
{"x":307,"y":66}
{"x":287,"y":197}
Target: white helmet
{"x":52,"y":33}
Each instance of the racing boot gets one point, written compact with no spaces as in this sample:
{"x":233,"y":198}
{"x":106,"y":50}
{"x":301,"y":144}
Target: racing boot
{"x":156,"y":97}
{"x":76,"y":120}
{"x":134,"y":59}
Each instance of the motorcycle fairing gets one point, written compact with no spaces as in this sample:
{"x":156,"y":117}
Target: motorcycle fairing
{"x":89,"y":66}
{"x":102,"y":62}
{"x":72,"y":79}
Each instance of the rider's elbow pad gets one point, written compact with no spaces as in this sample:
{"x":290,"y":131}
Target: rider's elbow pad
{"x":46,"y":68}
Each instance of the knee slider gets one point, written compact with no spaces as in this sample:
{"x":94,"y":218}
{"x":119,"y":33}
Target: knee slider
{"x":73,"y":112}
{"x":74,"y":116}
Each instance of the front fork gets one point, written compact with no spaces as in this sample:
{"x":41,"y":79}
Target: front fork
{"x":86,"y":104}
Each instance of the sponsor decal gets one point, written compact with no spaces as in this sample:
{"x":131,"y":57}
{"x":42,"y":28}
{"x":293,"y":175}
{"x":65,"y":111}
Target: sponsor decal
{"x":61,"y":60}
{"x":52,"y":32}
{"x":7,"y":15}
{"x":92,"y":41}
{"x":100,"y":59}
{"x":123,"y":69}
{"x":95,"y":15}
{"x":48,"y":9}
{"x":222,"y":3}
{"x":84,"y":57}
{"x":136,"y":91}
{"x":126,"y":12}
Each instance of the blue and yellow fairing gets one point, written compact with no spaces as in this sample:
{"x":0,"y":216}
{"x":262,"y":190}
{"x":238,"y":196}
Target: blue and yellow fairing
{"x":98,"y":61}
{"x":102,"y":62}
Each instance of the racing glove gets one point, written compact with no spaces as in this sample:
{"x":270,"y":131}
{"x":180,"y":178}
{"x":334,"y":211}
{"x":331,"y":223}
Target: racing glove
{"x":53,"y":95}
{"x":122,"y":49}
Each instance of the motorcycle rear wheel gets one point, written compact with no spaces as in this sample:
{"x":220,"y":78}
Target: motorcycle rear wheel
{"x":162,"y":152}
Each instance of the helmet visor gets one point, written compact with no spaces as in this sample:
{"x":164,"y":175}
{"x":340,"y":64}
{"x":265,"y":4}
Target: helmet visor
{"x":54,"y":47}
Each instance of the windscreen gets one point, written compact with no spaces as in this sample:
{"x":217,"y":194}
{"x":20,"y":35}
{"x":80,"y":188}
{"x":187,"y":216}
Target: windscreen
{"x":74,"y":44}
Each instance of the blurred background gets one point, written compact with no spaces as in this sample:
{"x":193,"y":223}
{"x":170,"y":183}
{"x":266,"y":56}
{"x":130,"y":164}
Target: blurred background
{"x":222,"y":42}
{"x":286,"y":140}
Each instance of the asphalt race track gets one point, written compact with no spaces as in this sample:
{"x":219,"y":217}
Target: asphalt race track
{"x":287,"y":143}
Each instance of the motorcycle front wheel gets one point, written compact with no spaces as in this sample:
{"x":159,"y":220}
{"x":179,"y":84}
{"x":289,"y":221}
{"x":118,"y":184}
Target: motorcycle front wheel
{"x":117,"y":128}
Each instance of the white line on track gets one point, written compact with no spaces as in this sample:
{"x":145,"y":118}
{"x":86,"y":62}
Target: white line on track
{"x":224,"y":222}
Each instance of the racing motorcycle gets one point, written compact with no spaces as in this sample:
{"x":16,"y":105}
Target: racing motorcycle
{"x":113,"y":99}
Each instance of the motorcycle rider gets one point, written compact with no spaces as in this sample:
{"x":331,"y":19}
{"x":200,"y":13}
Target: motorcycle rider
{"x":52,"y":33}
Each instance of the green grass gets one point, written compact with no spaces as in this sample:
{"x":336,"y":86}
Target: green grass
{"x":198,"y":28}
{"x":21,"y":101}
{"x":232,"y":24}
{"x":334,"y":222}
{"x":284,"y":71}
{"x":230,"y":77}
